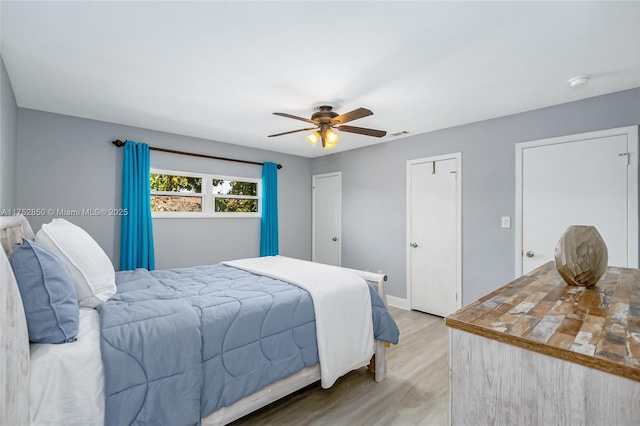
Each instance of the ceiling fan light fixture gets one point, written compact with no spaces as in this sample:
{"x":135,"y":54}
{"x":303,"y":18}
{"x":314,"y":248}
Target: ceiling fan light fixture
{"x":313,"y":138}
{"x":331,"y":139}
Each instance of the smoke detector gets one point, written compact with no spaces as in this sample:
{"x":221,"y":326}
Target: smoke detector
{"x":579,"y":81}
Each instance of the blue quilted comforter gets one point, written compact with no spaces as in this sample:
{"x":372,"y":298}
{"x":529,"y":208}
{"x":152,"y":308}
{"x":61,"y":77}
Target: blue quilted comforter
{"x":179,"y":344}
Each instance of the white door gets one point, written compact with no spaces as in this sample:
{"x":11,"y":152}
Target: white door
{"x":588,"y":179}
{"x":327,"y":195}
{"x":434,"y":234}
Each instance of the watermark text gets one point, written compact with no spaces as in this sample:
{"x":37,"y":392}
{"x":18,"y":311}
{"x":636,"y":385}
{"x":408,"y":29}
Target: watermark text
{"x":60,"y":212}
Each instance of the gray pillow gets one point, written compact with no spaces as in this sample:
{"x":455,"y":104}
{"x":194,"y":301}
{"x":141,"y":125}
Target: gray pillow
{"x":48,"y":295}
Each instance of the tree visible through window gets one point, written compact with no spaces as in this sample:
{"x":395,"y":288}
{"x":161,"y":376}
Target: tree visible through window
{"x":169,"y":193}
{"x":201,"y":195}
{"x":235,"y":196}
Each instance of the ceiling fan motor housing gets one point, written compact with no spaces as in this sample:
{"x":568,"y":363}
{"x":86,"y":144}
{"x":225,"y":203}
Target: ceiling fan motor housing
{"x":325,"y":114}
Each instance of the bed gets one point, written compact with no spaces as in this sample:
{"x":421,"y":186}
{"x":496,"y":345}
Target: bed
{"x":239,"y":288}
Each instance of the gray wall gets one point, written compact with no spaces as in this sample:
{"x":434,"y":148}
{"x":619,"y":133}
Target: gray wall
{"x":374,"y":188}
{"x":69,"y":163}
{"x":8,"y":141}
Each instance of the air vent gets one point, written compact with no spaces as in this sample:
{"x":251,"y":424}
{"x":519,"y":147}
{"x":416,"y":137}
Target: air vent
{"x":400,"y":133}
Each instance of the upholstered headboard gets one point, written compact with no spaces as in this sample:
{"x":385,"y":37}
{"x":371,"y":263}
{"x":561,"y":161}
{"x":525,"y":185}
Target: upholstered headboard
{"x":14,"y":340}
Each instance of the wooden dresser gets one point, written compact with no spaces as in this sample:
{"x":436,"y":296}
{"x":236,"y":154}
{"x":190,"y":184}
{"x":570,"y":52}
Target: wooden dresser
{"x":540,"y":352}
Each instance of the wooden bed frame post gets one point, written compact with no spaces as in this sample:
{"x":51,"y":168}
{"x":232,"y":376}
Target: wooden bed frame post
{"x":14,"y":339}
{"x":380,"y":349}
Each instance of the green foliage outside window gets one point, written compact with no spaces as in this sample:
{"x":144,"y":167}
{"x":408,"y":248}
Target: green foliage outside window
{"x":175,"y":183}
{"x":236,"y":205}
{"x":234,"y":187}
{"x":223,"y":187}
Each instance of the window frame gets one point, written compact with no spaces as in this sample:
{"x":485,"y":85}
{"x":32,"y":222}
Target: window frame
{"x":207,"y":196}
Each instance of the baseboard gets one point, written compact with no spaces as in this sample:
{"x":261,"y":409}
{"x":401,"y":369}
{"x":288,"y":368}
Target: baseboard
{"x":398,"y":302}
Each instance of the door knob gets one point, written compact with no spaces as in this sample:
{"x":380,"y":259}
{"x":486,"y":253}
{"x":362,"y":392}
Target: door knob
{"x":335,"y":238}
{"x":529,"y":253}
{"x":414,"y":245}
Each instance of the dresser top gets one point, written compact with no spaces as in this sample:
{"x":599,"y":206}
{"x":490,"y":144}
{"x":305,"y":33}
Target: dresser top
{"x":597,"y":326}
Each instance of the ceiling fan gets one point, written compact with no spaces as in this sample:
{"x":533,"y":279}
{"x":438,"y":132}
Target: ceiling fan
{"x":326,"y":120}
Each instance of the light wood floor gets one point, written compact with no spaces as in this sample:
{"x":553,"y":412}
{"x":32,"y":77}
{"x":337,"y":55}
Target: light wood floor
{"x":416,"y":391}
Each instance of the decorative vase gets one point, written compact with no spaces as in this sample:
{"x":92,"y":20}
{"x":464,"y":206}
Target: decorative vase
{"x":581,"y":255}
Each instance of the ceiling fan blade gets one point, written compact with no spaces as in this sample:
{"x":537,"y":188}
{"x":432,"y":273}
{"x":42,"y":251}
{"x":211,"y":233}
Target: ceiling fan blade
{"x":362,"y":131}
{"x":293,"y":131}
{"x":295,"y":117}
{"x":350,"y":116}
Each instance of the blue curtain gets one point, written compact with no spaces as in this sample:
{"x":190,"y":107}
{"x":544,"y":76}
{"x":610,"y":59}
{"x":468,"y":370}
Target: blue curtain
{"x":136,"y":240}
{"x":269,"y":220}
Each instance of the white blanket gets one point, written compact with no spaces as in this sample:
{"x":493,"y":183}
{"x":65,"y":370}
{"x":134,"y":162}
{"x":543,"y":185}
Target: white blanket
{"x":342,"y":306}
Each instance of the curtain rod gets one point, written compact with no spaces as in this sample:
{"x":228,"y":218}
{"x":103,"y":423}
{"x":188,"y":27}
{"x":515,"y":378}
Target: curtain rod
{"x":119,"y":144}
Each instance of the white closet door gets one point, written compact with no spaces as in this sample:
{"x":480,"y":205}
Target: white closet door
{"x":581,"y":182}
{"x":327,"y":195}
{"x":433,"y":240}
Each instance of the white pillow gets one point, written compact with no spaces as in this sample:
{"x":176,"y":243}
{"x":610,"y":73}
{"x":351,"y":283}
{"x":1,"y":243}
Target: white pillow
{"x":91,"y":270}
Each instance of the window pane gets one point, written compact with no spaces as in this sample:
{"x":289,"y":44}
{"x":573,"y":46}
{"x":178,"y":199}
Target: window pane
{"x":234,"y":187}
{"x":170,"y":203}
{"x":238,"y":205}
{"x":172,"y":183}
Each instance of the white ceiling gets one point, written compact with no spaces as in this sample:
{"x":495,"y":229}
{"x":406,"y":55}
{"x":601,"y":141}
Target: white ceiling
{"x":217,"y":70}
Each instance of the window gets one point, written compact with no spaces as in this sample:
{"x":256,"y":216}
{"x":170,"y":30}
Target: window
{"x":186,"y":194}
{"x":175,"y":192}
{"x":235,"y":196}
